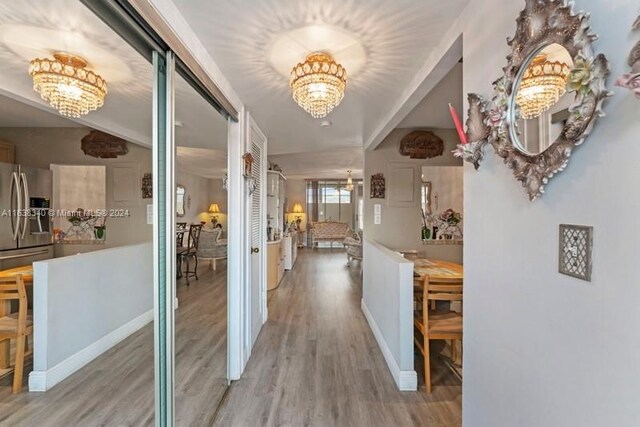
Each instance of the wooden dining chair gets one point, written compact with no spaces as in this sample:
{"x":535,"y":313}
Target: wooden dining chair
{"x":433,"y":324}
{"x":17,"y":326}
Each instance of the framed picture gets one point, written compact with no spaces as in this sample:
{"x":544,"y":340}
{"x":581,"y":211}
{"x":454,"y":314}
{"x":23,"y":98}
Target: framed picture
{"x":378,"y":186}
{"x":147,"y":186}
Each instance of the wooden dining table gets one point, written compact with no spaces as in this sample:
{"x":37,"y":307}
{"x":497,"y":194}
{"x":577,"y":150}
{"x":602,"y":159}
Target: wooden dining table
{"x":5,"y":309}
{"x":437,"y":270}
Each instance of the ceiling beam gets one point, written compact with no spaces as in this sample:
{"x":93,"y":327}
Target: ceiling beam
{"x":435,"y":68}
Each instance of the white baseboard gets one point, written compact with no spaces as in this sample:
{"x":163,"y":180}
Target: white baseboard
{"x":405,"y":380}
{"x":45,"y":380}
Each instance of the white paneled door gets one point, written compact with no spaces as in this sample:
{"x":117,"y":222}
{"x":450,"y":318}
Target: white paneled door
{"x":258,"y":289}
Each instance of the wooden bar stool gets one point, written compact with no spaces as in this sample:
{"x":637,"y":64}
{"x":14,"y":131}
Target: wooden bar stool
{"x":17,"y":326}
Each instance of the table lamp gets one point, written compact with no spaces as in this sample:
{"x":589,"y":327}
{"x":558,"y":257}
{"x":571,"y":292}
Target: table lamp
{"x":297,"y":209}
{"x":214,"y":209}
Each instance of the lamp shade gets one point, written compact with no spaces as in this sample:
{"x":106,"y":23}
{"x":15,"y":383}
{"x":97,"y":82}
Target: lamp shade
{"x":214,"y":208}
{"x":297,"y":208}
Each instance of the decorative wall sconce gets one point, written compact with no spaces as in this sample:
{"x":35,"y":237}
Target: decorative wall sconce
{"x":631,"y":80}
{"x":248,"y":162}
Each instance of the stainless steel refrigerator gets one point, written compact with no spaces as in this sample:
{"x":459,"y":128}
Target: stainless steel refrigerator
{"x":26,"y":228}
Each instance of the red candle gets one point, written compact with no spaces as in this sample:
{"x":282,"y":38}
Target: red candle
{"x":456,"y":121}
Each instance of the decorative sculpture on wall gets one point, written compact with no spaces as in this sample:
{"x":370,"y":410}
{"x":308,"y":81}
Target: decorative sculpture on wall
{"x":103,"y":146}
{"x":147,"y":186}
{"x":543,"y":25}
{"x":378,"y":186}
{"x":631,"y":80}
{"x":421,"y":144}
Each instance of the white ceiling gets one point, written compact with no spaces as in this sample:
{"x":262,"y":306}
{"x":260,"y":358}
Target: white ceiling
{"x":433,"y":110}
{"x":36,"y":28}
{"x":326,"y":164}
{"x":397,"y":37}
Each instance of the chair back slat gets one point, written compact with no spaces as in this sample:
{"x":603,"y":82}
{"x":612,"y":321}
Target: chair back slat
{"x":194,"y":237}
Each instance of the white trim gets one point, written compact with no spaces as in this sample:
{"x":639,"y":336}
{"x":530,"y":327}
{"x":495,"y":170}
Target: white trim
{"x":405,"y":380}
{"x":45,"y":380}
{"x":236,"y":250}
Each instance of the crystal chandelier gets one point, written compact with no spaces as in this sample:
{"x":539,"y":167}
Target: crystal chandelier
{"x":349,"y":186}
{"x":67,"y":85}
{"x":318,"y":84}
{"x":542,"y":85}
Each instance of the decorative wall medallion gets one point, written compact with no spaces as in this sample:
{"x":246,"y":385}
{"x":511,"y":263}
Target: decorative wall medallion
{"x":147,"y":186}
{"x":378,"y":188}
{"x":547,"y":25}
{"x":103,"y":146}
{"x":631,"y":80}
{"x":421,"y":144}
{"x":248,"y":161}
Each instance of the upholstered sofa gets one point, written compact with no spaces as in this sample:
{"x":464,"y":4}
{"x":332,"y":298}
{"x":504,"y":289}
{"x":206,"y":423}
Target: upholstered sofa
{"x":211,"y":247}
{"x":353,"y":243}
{"x":328,"y":231}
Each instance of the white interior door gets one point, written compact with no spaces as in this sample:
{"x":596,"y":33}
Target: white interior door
{"x":258,"y":289}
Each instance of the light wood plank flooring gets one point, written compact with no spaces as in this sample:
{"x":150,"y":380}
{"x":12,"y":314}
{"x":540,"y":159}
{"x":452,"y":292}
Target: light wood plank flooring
{"x":317,"y":363}
{"x":117,"y":388}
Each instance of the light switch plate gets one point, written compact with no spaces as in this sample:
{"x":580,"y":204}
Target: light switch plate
{"x":575,"y":249}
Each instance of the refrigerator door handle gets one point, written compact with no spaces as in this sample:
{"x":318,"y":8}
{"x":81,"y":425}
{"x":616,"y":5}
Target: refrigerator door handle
{"x":41,"y":252}
{"x":15,"y":185}
{"x":27,"y":211}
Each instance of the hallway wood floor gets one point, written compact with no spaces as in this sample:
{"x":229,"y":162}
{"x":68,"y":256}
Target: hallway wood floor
{"x":117,"y":388}
{"x":317,"y":363}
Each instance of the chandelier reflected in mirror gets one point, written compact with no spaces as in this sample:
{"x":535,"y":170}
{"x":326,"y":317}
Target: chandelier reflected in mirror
{"x":318,"y":84}
{"x":542,"y":85}
{"x":67,"y":85}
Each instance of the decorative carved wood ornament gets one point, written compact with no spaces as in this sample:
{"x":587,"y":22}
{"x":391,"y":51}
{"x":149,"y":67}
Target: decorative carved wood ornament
{"x":421,"y":144}
{"x":103,"y":146}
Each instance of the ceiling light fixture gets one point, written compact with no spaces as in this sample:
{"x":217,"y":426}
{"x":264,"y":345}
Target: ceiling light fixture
{"x":349,"y":185}
{"x":67,"y":85}
{"x":542,"y":85}
{"x":318,"y":84}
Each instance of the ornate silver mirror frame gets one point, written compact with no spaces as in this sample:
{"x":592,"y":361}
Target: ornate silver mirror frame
{"x":541,"y":23}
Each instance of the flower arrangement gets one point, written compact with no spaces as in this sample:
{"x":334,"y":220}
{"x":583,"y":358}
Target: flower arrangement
{"x":451,"y":217}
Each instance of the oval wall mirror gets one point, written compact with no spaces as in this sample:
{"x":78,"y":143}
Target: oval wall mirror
{"x":180,"y":200}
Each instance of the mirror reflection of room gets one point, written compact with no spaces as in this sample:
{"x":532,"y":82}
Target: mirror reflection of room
{"x":201,"y":255}
{"x":542,"y":99}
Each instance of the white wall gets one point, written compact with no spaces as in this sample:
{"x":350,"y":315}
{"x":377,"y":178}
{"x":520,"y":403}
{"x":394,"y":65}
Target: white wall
{"x":387,"y":302}
{"x":84,"y":304}
{"x":540,"y":348}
